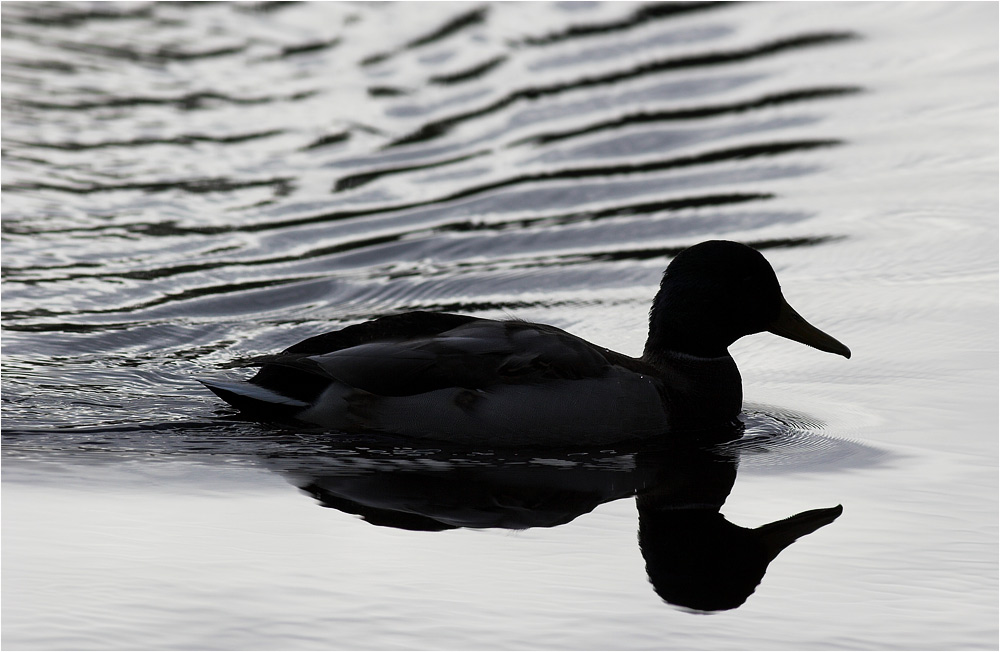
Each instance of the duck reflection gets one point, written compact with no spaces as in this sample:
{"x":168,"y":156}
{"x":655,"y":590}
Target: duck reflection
{"x":695,"y":557}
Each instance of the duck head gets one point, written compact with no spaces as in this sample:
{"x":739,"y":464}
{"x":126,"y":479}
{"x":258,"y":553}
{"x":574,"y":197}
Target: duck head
{"x":716,"y":292}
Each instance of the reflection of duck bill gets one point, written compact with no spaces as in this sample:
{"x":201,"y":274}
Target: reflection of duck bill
{"x":699,"y":560}
{"x":779,"y":535}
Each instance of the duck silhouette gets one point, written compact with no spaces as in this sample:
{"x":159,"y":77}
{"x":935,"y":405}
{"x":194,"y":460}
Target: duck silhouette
{"x":475,"y":381}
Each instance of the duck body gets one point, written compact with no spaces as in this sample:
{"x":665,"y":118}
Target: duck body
{"x":476,"y":381}
{"x":466,"y":379}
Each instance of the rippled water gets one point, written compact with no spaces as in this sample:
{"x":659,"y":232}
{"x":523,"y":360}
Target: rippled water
{"x":186,"y":184}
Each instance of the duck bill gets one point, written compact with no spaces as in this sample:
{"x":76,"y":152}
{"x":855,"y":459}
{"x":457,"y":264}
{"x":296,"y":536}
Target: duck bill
{"x":791,"y":325}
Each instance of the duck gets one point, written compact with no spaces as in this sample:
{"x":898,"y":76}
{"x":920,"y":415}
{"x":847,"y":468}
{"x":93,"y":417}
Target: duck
{"x":475,"y":381}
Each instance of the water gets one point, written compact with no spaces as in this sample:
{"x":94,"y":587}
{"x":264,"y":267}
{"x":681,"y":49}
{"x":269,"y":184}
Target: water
{"x":188,"y":184}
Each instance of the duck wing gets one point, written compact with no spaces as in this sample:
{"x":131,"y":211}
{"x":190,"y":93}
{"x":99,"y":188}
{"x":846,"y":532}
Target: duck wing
{"x":414,"y":353}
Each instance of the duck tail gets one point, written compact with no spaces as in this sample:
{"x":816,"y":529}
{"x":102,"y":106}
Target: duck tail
{"x":254,"y":399}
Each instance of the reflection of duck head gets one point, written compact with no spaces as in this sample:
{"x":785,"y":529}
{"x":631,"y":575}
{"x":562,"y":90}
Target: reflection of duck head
{"x":482,"y":382}
{"x":695,"y":558}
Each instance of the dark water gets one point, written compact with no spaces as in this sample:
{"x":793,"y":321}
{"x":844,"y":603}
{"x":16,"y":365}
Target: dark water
{"x":186,"y":184}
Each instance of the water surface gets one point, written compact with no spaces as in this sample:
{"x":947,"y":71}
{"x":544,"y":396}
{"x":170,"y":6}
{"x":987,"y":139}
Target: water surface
{"x":189,"y":184}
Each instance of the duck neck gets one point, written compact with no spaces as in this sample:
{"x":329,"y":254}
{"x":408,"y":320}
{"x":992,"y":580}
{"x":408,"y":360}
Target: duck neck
{"x":700,"y":343}
{"x":702,"y":391}
{"x":691,"y":364}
